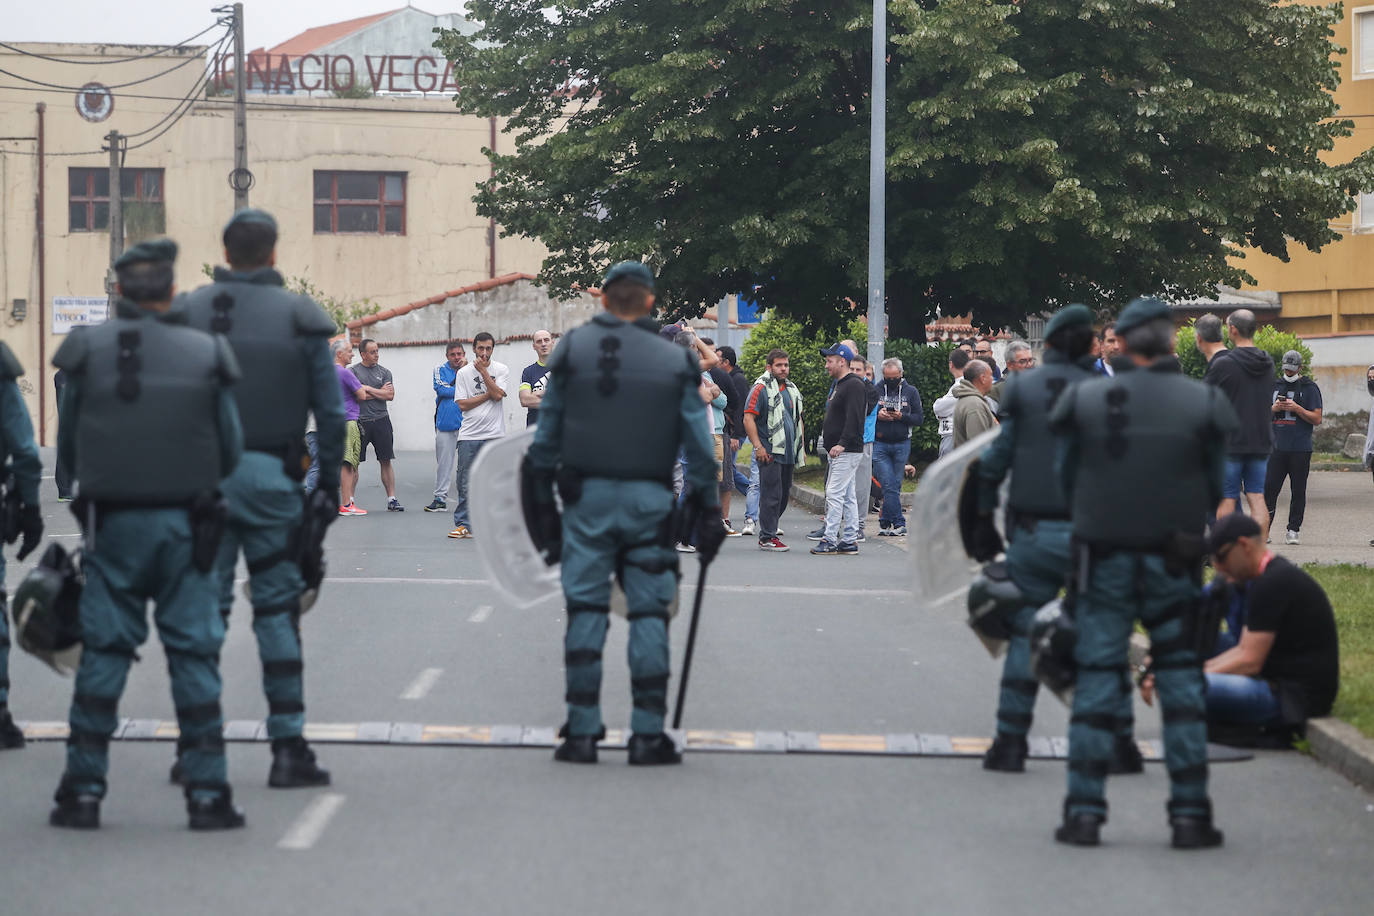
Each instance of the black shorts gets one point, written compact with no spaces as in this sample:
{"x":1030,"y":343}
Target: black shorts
{"x":377,"y":433}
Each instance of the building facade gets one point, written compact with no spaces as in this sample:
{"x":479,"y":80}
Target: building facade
{"x":373,"y":195}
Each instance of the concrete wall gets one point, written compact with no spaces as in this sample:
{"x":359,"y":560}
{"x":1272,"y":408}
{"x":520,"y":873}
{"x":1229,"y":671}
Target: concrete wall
{"x":1339,"y":366}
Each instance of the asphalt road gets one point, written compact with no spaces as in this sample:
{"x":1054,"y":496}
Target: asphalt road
{"x":788,"y":642}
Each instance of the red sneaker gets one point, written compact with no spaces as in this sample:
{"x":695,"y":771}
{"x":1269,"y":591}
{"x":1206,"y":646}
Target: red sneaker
{"x":773,"y":544}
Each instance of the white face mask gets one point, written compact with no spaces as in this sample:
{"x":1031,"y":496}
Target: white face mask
{"x":1293,"y":377}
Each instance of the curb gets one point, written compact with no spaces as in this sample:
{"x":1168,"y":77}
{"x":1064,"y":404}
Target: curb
{"x":814,"y":500}
{"x":1344,"y":749}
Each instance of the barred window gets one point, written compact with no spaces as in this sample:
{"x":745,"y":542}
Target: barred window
{"x":141,"y":190}
{"x":360,"y":202}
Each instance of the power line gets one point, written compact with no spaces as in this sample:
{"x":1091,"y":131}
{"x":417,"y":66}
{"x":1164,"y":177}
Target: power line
{"x":116,"y":60}
{"x":188,"y":100}
{"x":145,"y":79}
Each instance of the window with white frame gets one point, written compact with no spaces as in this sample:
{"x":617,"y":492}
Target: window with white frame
{"x":1362,"y":55}
{"x":1364,"y":212}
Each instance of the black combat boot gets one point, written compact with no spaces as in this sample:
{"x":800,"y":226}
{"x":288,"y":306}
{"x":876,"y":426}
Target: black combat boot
{"x":1007,"y":754}
{"x":293,"y":765}
{"x":215,"y":812}
{"x":1080,"y":829}
{"x":175,"y":775}
{"x":10,"y":735}
{"x":649,"y":750}
{"x":1126,"y":758}
{"x":1193,"y":831}
{"x":77,"y":810}
{"x":577,"y":748}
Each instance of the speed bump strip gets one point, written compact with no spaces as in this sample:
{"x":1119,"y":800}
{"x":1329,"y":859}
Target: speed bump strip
{"x":706,"y":740}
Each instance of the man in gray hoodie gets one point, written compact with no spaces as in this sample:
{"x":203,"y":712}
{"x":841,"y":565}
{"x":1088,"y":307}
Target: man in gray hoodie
{"x":1245,"y":375}
{"x":972,"y":413}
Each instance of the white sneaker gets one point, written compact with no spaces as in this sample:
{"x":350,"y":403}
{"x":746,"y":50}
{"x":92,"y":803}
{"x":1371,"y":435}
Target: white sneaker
{"x":749,"y":527}
{"x":1292,"y":538}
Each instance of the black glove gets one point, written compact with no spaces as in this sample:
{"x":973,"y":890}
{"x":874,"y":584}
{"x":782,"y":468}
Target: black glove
{"x":324,"y":503}
{"x":987,"y":543}
{"x":710,"y":534}
{"x":31,"y":527}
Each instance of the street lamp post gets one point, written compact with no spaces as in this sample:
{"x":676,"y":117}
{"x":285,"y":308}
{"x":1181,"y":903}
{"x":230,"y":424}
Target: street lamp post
{"x":877,"y":201}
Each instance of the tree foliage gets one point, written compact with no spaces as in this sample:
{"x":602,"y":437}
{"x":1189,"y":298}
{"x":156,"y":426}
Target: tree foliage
{"x":1267,"y":338}
{"x":1038,"y":153}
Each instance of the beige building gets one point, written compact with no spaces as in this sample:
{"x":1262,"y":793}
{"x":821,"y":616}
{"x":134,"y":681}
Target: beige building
{"x":373,"y":195}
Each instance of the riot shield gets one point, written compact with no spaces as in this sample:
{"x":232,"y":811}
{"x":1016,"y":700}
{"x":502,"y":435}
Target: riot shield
{"x":498,"y":522}
{"x":941,"y":569}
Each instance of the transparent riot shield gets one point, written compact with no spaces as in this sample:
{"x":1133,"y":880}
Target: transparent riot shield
{"x":941,"y":569}
{"x":498,"y":523}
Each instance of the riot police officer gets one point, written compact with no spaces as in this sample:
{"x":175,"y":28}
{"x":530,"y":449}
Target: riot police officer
{"x":149,"y":427}
{"x":618,"y":504}
{"x":281,"y":341}
{"x":1141,"y":457}
{"x":1038,"y":528}
{"x":20,"y":471}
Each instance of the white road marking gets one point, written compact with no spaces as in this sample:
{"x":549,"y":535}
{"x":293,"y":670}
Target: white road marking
{"x":310,"y":825}
{"x":65,"y":535}
{"x":481,"y":614}
{"x":422,"y":684}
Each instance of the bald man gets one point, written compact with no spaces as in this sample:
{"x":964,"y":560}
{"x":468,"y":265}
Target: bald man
{"x":532,"y":379}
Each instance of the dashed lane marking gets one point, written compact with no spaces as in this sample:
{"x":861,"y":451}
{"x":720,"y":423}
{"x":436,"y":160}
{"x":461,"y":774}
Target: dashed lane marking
{"x":308,"y":828}
{"x":714,"y":740}
{"x":423,"y":683}
{"x":481,"y":614}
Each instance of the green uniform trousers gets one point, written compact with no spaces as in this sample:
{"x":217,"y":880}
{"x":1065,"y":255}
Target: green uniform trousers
{"x":1038,"y":561}
{"x":143,"y":555}
{"x":1123,"y":587}
{"x":4,"y":639}
{"x":264,"y":513}
{"x":617,"y":527}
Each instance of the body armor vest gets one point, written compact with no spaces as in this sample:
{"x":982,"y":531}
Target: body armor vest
{"x":1143,"y":471}
{"x":148,"y":427}
{"x":263,"y":323}
{"x":618,"y":375}
{"x":1028,"y":399}
{"x":10,"y":370}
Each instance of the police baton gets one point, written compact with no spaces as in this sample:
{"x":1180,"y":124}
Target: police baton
{"x":691,"y":644}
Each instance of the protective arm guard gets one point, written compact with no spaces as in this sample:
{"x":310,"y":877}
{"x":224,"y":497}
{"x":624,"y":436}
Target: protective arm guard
{"x":979,"y":532}
{"x":321,"y":509}
{"x":540,"y":509}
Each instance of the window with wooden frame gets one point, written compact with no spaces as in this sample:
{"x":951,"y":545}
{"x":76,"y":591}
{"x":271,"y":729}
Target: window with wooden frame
{"x":141,"y":191}
{"x":370,"y":203}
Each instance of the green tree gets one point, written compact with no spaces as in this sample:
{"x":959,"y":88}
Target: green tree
{"x":342,"y":311}
{"x":1038,"y":153}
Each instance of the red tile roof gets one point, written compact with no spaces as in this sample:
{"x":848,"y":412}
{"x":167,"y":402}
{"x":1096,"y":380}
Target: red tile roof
{"x":493,"y":283}
{"x":313,"y":39}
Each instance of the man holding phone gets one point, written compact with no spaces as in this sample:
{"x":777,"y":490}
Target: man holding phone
{"x":1297,"y":410}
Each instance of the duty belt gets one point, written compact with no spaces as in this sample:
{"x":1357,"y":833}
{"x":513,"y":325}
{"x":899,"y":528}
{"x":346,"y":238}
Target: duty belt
{"x":1029,"y":521}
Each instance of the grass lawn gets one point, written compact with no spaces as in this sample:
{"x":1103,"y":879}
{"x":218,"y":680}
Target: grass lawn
{"x":1349,"y":588}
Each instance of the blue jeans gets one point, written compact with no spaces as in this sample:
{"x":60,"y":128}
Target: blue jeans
{"x":739,"y":481}
{"x":841,"y":499}
{"x":751,"y":496}
{"x":1240,"y":700}
{"x":312,"y":476}
{"x":467,"y":454}
{"x":1244,"y":472}
{"x":889,"y":464}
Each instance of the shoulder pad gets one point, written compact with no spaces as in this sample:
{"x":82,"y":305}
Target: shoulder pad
{"x":71,"y":355}
{"x":312,"y":320}
{"x":10,"y":367}
{"x":226,"y":364}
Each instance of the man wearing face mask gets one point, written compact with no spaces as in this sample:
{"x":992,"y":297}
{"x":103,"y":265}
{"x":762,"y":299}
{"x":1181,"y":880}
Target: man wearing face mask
{"x":1297,"y":410}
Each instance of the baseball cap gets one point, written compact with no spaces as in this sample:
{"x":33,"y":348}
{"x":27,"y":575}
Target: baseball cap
{"x":1229,"y":528}
{"x":838,"y":350}
{"x":1292,"y":358}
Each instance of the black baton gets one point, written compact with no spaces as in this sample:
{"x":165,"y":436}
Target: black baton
{"x":691,"y":644}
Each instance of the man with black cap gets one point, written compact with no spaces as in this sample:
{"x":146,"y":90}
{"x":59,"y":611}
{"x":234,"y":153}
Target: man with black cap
{"x":150,"y":428}
{"x":1039,"y":529}
{"x":18,"y":453}
{"x":617,"y":505}
{"x":1297,"y":410}
{"x":1284,"y":668}
{"x":1140,"y":457}
{"x":281,"y":341}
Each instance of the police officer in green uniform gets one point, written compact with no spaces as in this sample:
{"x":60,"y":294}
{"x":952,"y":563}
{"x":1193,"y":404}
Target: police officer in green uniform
{"x":149,"y":426}
{"x":1141,"y":456}
{"x":618,"y":504}
{"x":281,"y":341}
{"x":1039,"y":529}
{"x":20,"y":471}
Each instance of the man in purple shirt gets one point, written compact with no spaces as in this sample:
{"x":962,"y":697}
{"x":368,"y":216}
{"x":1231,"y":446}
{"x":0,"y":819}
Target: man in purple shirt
{"x":353,"y":391}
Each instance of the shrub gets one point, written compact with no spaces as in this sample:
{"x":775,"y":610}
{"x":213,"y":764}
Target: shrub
{"x":1268,"y":338}
{"x":927,"y":369}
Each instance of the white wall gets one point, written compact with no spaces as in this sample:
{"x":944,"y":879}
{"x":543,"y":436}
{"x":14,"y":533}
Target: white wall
{"x":412,"y":371}
{"x":1339,"y":365}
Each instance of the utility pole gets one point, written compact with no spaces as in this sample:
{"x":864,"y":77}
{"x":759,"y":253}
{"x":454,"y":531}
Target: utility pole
{"x":116,"y":141}
{"x":241,"y":179}
{"x":877,"y":200}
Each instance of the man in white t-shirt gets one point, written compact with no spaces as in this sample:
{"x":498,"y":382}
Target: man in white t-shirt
{"x":479,"y":388}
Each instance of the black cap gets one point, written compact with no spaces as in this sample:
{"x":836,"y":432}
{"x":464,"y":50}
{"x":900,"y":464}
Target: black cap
{"x":152,"y":251}
{"x":1230,"y":527}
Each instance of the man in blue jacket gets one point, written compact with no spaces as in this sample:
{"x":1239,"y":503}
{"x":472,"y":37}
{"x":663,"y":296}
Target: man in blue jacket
{"x":899,"y":410}
{"x":447,"y":419}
